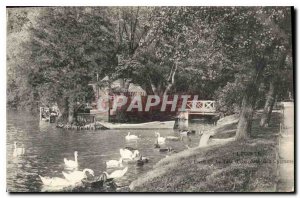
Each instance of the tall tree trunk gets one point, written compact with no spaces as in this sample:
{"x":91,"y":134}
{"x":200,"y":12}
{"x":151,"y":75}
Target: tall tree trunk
{"x":171,"y":79}
{"x":264,"y":122}
{"x":246,"y":115}
{"x":63,"y":106}
{"x":271,"y":95}
{"x":155,"y":89}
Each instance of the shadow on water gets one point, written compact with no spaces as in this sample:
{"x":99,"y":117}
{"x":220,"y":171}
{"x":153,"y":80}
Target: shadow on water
{"x":46,"y":146}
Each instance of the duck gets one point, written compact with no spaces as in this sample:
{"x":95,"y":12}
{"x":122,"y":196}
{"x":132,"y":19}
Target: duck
{"x":142,"y":160}
{"x":160,"y":140}
{"x":114,"y":163}
{"x":55,"y":181}
{"x":166,"y":149}
{"x":71,"y":163}
{"x":127,"y":154}
{"x":116,"y":174}
{"x":77,"y":176}
{"x":131,"y":137}
{"x":18,"y":151}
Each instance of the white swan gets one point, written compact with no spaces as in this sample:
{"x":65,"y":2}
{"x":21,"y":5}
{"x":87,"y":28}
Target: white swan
{"x":127,"y":154}
{"x":55,"y":181}
{"x":77,"y":176}
{"x":18,"y":151}
{"x":71,"y":163}
{"x":131,"y":137}
{"x":116,"y":174}
{"x":160,"y":140}
{"x":114,"y":163}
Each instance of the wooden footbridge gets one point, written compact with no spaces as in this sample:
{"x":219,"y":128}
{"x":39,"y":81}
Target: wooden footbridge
{"x":199,"y":107}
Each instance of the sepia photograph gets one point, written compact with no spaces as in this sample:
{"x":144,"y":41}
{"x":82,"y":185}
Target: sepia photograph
{"x":150,"y":99}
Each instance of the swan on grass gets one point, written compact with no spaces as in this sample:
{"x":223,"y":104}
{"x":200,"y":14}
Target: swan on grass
{"x":71,"y":163}
{"x":114,"y":163}
{"x":131,"y":137}
{"x":127,"y":154}
{"x":160,"y":140}
{"x":116,"y":174}
{"x":18,"y":151}
{"x":77,"y":176}
{"x":55,"y":181}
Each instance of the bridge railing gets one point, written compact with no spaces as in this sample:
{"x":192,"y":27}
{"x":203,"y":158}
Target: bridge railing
{"x":205,"y":106}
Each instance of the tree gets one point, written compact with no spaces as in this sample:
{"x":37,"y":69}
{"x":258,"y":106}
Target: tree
{"x":68,"y":47}
{"x":20,"y":94}
{"x":131,"y":25}
{"x":164,"y":50}
{"x":279,"y":68}
{"x":249,"y":39}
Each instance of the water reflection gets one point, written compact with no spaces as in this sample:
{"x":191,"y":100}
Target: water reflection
{"x":46,"y":146}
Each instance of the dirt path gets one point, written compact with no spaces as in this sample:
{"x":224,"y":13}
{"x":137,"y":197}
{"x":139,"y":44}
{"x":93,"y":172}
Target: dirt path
{"x":286,"y":150}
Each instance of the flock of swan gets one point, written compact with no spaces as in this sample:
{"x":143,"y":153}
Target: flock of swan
{"x":74,"y":177}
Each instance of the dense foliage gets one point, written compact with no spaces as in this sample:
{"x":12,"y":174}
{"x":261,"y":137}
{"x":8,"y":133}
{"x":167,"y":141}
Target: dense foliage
{"x":239,"y":56}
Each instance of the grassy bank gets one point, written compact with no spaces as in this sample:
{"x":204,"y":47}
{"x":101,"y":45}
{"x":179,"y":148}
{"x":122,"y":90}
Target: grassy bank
{"x":232,"y":166}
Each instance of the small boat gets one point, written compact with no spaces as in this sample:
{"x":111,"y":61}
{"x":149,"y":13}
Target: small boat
{"x":146,"y":125}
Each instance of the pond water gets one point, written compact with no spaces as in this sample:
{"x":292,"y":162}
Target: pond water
{"x":46,"y":146}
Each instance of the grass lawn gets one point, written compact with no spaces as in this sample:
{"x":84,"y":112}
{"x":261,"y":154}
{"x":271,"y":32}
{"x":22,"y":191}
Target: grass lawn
{"x":247,"y":166}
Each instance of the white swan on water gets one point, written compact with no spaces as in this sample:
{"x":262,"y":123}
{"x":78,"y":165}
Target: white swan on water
{"x":131,"y":137}
{"x":127,"y":154}
{"x":71,"y":163}
{"x":160,"y":140}
{"x":116,"y":174}
{"x":114,"y":163}
{"x":18,"y":151}
{"x":55,"y":181}
{"x":77,"y":176}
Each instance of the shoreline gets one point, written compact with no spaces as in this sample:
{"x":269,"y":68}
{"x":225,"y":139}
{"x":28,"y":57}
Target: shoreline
{"x":221,"y":166}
